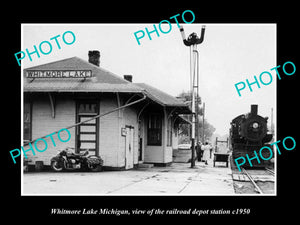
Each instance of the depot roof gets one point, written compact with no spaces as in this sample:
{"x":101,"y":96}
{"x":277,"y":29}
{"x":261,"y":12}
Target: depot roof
{"x":160,"y":96}
{"x":100,"y":80}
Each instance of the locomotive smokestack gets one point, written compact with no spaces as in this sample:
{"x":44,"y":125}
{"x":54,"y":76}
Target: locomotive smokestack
{"x":254,"y":109}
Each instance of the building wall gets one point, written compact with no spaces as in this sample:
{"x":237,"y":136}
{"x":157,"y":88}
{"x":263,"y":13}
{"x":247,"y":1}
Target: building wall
{"x":175,"y":138}
{"x":168,"y":150}
{"x":159,"y":154}
{"x":152,"y":153}
{"x":111,"y":142}
{"x":168,"y":154}
{"x":130,"y":119}
{"x":109,"y":135}
{"x":43,"y":124}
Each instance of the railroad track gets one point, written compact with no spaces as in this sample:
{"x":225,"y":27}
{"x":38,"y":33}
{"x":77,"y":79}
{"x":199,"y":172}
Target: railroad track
{"x":270,"y":171}
{"x":257,"y":188}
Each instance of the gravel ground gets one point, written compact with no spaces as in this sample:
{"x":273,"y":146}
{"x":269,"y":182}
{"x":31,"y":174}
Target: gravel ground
{"x":246,"y":187}
{"x":267,"y":187}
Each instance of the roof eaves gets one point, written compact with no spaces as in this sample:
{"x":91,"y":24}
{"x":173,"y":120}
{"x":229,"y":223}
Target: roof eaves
{"x":153,"y":98}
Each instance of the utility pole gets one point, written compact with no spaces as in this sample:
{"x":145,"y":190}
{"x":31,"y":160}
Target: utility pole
{"x":192,"y":41}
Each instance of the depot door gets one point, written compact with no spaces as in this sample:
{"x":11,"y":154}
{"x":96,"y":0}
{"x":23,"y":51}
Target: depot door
{"x":87,"y":133}
{"x":129,"y":149}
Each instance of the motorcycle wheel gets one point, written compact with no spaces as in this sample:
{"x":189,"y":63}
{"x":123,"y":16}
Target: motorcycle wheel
{"x":95,"y":168}
{"x":56,"y":166}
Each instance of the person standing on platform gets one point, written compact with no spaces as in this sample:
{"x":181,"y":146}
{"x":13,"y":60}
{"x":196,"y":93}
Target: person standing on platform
{"x":198,"y":151}
{"x":210,"y":151}
{"x":206,"y":152}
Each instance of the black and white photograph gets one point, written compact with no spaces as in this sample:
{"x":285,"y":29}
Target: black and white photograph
{"x":172,"y":115}
{"x":129,"y":112}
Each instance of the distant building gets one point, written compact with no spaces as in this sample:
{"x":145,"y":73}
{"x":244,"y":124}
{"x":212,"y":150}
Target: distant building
{"x":65,"y":92}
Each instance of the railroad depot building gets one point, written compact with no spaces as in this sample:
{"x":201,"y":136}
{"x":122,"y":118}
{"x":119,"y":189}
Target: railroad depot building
{"x":62,"y":93}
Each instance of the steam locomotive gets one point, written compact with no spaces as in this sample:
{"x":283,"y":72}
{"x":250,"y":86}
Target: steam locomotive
{"x":249,"y":133}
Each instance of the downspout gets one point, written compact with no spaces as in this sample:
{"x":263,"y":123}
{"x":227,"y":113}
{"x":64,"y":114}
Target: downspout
{"x":52,"y":105}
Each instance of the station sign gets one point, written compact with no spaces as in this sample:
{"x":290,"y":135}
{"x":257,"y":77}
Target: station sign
{"x":58,"y":73}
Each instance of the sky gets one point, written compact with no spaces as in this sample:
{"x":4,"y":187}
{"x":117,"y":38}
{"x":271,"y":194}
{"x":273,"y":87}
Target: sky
{"x":230,"y":53}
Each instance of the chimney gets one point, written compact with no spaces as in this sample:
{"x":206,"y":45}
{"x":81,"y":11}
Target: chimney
{"x":254,"y":109}
{"x":128,"y":78}
{"x":94,"y":57}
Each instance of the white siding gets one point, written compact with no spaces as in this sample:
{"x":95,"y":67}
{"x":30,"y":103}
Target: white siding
{"x":163,"y":153}
{"x":44,"y":124}
{"x":112,"y":143}
{"x":168,"y":154}
{"x":109,"y":133}
{"x":153,"y":154}
{"x":174,"y":138}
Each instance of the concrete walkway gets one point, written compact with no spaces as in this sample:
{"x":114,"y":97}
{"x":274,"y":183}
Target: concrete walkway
{"x":177,"y":179}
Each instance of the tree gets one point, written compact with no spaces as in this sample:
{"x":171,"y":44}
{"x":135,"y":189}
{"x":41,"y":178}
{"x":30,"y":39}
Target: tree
{"x":208,"y":129}
{"x":187,"y":97}
{"x":184,"y":129}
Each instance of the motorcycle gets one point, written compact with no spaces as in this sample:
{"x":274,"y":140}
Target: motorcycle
{"x":68,"y":160}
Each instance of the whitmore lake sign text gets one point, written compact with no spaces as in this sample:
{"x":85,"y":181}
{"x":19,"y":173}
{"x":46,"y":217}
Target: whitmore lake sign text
{"x":58,"y":73}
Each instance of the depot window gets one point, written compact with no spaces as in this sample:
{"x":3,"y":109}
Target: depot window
{"x":154,"y":128}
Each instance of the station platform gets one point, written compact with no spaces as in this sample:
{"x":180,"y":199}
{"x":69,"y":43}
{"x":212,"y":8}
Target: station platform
{"x":200,"y":180}
{"x":178,"y":179}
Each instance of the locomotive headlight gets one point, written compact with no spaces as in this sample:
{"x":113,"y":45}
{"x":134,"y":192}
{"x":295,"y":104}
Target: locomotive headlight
{"x":255,"y":125}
